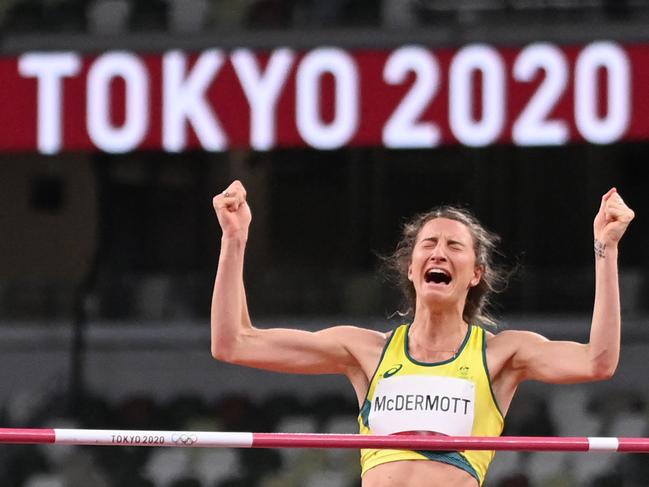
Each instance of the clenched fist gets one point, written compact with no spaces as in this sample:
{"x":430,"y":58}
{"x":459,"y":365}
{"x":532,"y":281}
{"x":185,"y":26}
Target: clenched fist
{"x":612,"y":219}
{"x":232,"y":211}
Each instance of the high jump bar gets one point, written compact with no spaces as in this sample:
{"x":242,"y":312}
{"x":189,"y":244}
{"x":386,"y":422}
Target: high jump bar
{"x":208,"y":439}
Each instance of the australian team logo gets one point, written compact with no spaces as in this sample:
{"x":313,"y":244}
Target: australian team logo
{"x":392,"y":370}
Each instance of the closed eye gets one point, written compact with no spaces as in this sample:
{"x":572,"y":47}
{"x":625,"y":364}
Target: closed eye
{"x":428,"y":243}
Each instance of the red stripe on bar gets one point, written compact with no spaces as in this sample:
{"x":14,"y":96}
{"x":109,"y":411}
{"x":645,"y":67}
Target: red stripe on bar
{"x":633,"y":445}
{"x":423,"y":442}
{"x":27,"y":436}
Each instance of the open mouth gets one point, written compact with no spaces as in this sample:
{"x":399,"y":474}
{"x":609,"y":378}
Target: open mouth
{"x":437,"y":276}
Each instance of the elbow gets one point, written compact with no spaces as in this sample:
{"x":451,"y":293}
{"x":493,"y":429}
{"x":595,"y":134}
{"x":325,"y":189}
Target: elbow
{"x":219,"y":353}
{"x":603,"y":371}
{"x":224,"y":354}
{"x":229,"y":348}
{"x":223,"y":350}
{"x":603,"y":363}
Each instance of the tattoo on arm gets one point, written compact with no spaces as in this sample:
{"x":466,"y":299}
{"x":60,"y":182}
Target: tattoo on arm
{"x":600,"y":249}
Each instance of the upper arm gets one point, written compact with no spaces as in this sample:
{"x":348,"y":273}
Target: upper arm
{"x":534,"y":357}
{"x":329,"y":351}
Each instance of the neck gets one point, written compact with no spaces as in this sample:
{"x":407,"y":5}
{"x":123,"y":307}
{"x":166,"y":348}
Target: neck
{"x":438,"y":320}
{"x":436,"y":331}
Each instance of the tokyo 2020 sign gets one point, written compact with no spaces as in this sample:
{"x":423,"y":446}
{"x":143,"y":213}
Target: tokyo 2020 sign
{"x":412,"y":96}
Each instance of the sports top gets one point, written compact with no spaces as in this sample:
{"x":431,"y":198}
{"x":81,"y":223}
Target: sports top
{"x":453,"y":397}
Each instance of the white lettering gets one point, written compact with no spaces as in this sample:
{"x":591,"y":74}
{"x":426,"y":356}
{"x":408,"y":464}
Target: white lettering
{"x":533,"y":126}
{"x":262,"y":92}
{"x":308,"y":79}
{"x":611,"y":126}
{"x":49,"y":69}
{"x":184,"y":100}
{"x":404,"y":129}
{"x":466,"y":63}
{"x":100,"y":128}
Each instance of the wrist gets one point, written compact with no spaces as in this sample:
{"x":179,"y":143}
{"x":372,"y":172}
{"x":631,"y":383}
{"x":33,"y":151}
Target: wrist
{"x":604,"y":249}
{"x":240,"y":237}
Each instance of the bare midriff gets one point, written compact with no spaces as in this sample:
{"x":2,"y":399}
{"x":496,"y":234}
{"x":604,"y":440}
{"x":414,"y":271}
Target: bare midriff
{"x":417,"y":473}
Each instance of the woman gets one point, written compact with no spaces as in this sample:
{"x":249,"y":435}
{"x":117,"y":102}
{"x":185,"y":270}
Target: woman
{"x":441,"y":373}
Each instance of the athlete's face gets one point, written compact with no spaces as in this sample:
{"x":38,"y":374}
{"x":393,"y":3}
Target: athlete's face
{"x":443,"y":264}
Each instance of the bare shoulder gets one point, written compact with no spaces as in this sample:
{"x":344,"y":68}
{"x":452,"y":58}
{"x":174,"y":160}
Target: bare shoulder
{"x":365,"y":346}
{"x":508,"y":342}
{"x":356,"y":337}
{"x":503,"y":352}
{"x":509,"y":337}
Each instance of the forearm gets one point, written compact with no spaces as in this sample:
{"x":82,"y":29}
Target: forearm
{"x":535,"y":357}
{"x":245,"y":316}
{"x":229,"y":315}
{"x":604,"y":344}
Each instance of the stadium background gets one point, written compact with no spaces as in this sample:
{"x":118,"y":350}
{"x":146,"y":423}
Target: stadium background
{"x":108,"y":252}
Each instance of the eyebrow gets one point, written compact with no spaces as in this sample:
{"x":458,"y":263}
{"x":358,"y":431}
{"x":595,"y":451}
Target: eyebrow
{"x":428,"y":239}
{"x":450,"y":240}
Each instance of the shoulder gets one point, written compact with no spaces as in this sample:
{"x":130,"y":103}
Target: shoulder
{"x":505,"y":350}
{"x":514,"y":335}
{"x":511,"y":341}
{"x":355,"y":335}
{"x":363,"y":344}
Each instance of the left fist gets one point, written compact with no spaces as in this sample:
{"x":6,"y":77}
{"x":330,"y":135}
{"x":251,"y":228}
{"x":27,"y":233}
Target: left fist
{"x":612,"y":219}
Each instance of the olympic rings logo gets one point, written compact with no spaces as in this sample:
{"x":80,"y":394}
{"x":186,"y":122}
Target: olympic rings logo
{"x":184,"y":439}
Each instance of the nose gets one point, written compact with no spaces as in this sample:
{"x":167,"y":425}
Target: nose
{"x":437,"y":254}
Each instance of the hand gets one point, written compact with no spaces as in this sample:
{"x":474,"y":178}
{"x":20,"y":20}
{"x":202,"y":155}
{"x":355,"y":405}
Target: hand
{"x":612,"y":219}
{"x":232,"y":211}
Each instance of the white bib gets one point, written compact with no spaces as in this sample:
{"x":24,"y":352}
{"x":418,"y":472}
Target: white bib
{"x":423,"y":403}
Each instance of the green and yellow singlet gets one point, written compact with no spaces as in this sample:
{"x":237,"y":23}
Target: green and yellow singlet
{"x":453,"y":398}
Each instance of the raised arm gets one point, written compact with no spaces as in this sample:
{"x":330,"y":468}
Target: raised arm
{"x":537,"y":358}
{"x":610,"y":224}
{"x":236,"y":340}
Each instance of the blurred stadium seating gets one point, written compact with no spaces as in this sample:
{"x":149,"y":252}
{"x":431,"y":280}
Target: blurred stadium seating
{"x":195,"y":16}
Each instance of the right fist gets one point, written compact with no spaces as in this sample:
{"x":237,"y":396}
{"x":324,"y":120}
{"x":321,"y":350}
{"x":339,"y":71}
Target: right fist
{"x":612,"y":219}
{"x":232,"y":210}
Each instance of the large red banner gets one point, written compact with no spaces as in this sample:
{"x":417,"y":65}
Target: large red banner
{"x":408,"y":97}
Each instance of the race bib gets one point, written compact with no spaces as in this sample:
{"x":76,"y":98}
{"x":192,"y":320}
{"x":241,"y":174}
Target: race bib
{"x":423,"y":403}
